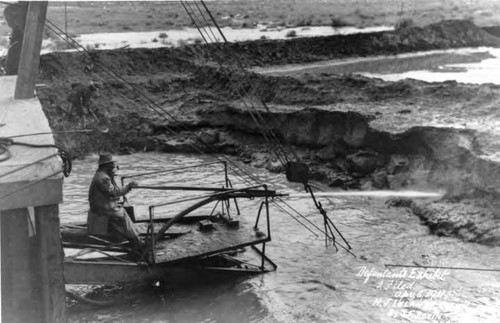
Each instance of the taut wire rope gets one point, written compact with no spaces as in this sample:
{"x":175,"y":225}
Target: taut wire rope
{"x":327,"y":221}
{"x":153,"y":105}
{"x":261,"y":123}
{"x":158,"y":109}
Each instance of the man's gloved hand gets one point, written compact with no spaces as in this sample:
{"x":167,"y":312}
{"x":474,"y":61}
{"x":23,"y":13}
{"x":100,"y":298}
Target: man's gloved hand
{"x":132,"y":184}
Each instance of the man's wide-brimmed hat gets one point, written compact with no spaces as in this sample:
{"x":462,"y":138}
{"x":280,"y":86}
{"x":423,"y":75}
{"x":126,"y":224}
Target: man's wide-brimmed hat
{"x":106,"y":158}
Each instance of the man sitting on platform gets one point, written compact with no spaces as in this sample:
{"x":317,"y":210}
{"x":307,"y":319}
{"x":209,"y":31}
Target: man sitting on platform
{"x":106,"y":214}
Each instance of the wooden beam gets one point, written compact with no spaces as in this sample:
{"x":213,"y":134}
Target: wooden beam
{"x":50,"y":267}
{"x":18,"y":294}
{"x":30,"y":53}
{"x":87,"y":272}
{"x":30,"y":193}
{"x":32,"y":267}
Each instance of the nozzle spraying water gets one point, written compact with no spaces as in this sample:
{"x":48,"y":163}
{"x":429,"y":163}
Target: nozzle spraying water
{"x":381,"y":194}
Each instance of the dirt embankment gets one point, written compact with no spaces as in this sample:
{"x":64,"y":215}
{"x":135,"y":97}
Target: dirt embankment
{"x":178,"y":100}
{"x":472,"y":220}
{"x":444,"y":35}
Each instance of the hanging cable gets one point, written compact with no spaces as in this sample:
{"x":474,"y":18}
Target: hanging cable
{"x":150,"y":103}
{"x":266,"y":131}
{"x":53,"y":27}
{"x":243,"y":69}
{"x":328,"y":224}
{"x":191,"y":14}
{"x":159,"y":110}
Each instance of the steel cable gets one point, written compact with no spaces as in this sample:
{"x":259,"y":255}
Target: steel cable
{"x":237,"y":169}
{"x":266,"y":131}
{"x":327,"y":221}
{"x":242,"y":68}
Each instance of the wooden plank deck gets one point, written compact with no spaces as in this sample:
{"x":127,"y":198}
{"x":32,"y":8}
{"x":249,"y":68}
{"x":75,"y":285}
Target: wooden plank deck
{"x":183,"y":241}
{"x":186,"y":250}
{"x":197,"y":244}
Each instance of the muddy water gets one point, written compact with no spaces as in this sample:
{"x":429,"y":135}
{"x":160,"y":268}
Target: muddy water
{"x":312,"y":283}
{"x":475,"y":68}
{"x":178,"y":37}
{"x":168,"y":38}
{"x":466,"y":65}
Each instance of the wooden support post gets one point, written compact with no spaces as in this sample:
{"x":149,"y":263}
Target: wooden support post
{"x":32,"y":267}
{"x":17,"y":268}
{"x":30,"y":53}
{"x":50,"y":259}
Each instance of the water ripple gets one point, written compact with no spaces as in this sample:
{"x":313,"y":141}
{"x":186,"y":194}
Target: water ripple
{"x":313,"y":283}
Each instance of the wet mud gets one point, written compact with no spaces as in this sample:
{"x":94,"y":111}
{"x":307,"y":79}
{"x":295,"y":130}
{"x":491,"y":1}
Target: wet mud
{"x":354,"y":132}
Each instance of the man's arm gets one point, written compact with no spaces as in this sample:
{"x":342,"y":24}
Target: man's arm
{"x":106,"y":186}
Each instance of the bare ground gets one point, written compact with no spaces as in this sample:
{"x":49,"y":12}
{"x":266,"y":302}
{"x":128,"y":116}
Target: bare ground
{"x":104,"y":16}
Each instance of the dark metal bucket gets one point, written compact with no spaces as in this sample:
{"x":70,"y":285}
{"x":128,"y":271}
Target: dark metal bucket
{"x":297,"y":172}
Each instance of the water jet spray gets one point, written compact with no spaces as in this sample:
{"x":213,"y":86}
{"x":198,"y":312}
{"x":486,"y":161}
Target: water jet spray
{"x":379,"y":193}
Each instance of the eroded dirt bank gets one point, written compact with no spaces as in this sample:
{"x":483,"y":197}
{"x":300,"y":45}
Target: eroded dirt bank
{"x":444,"y":35}
{"x":354,"y":132}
